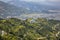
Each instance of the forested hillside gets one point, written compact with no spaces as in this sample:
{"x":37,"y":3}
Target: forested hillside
{"x":29,"y":29}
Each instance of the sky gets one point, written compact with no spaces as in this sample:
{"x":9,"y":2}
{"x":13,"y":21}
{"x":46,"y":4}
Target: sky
{"x":36,"y":0}
{"x":42,"y":0}
{"x":48,"y":2}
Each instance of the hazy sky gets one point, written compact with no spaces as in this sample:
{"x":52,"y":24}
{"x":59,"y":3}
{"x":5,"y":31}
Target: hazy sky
{"x":48,"y":2}
{"x":38,"y":0}
{"x":43,"y":0}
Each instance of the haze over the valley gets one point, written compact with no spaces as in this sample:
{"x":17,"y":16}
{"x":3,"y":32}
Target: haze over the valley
{"x":35,"y":8}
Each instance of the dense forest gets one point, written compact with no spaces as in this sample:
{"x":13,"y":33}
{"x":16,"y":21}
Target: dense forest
{"x":29,"y":29}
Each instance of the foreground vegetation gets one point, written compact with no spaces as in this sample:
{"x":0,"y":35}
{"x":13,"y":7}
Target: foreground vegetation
{"x":29,"y":29}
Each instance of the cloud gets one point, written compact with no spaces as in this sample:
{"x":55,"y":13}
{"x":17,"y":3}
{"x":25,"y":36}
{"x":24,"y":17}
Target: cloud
{"x":36,"y":0}
{"x":42,"y":0}
{"x":5,"y":0}
{"x":53,"y":0}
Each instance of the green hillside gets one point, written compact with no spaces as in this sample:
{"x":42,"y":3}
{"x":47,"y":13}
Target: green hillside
{"x":29,"y":29}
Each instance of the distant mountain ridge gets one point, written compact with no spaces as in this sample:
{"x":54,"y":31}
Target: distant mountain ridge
{"x":7,"y":10}
{"x":11,"y":10}
{"x":36,"y":7}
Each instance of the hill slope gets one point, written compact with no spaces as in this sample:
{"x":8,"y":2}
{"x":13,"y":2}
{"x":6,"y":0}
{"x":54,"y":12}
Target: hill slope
{"x":29,"y":29}
{"x":8,"y":10}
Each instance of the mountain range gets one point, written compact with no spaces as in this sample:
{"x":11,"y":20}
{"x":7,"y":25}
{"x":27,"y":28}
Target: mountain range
{"x":17,"y":8}
{"x":11,"y":10}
